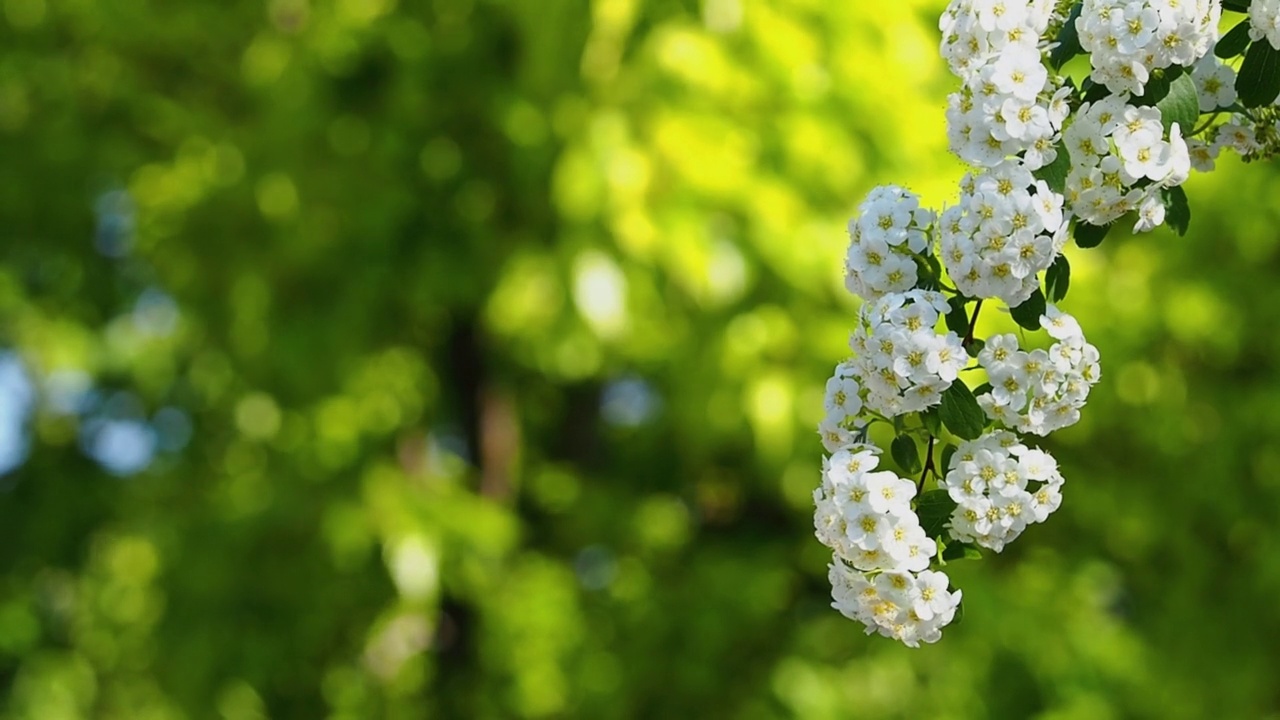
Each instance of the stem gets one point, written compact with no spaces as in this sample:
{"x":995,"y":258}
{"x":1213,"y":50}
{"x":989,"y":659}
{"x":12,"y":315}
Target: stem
{"x":973,"y":322}
{"x":1206,"y":124}
{"x":928,"y":466}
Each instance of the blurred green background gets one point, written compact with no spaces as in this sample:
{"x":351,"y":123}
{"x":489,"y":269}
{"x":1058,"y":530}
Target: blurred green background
{"x":462,"y":359}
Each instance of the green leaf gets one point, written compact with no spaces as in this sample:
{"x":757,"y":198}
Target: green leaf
{"x":1055,"y":173}
{"x":960,"y":411}
{"x":1057,"y":279}
{"x":947,"y":452}
{"x":932,"y":421}
{"x":1240,"y":6}
{"x":1090,"y":236}
{"x":1181,"y":105}
{"x":1234,"y":42}
{"x":934,"y":509}
{"x":1158,"y":86}
{"x":959,"y":613}
{"x":957,"y":318}
{"x":1068,"y":40}
{"x":905,"y":453}
{"x":1177,"y":211}
{"x":1258,"y":83}
{"x":974,"y":346}
{"x":961,"y":551}
{"x":1028,"y":313}
{"x":926,"y":278}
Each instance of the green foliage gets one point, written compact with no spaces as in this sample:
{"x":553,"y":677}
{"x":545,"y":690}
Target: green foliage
{"x":1258,"y":83}
{"x":934,"y":508}
{"x":1233,"y":43}
{"x":1027,"y":313}
{"x":960,"y":411}
{"x":1090,"y":236}
{"x":1057,"y":279}
{"x":906,"y":454}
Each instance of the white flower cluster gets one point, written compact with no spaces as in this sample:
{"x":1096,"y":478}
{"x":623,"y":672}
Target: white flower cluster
{"x":906,"y":607}
{"x":1114,"y":147}
{"x":842,"y":403}
{"x":1128,"y":39}
{"x":865,"y":517}
{"x":1007,"y":228}
{"x":1040,"y":391}
{"x":1264,"y":21}
{"x":1008,"y":103}
{"x":1000,"y":486}
{"x":889,"y":229}
{"x":900,"y":360}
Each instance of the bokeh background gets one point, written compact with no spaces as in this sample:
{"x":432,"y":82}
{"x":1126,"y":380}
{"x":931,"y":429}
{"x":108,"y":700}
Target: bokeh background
{"x":462,"y":359}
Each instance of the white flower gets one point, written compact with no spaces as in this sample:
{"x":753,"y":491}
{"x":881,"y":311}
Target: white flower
{"x":1264,"y":21}
{"x":1060,"y":325}
{"x":1215,"y":83}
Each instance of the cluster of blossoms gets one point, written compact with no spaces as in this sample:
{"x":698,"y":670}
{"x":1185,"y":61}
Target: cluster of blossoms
{"x":1007,"y":228}
{"x":1127,"y":40}
{"x":1000,"y":486}
{"x":1046,"y":157}
{"x":1008,"y":103}
{"x":1040,"y":391}
{"x":911,"y":608}
{"x":900,"y":359}
{"x":866,"y":519}
{"x":885,"y":237}
{"x":1120,"y":161}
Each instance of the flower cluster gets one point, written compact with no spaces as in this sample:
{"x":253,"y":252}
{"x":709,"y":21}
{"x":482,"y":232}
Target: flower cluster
{"x":1007,"y":228}
{"x":1008,"y":103}
{"x":1128,"y":39}
{"x":906,"y":607}
{"x":1130,"y":140}
{"x":1120,"y":161}
{"x":901,"y":361}
{"x":881,"y":554}
{"x":866,"y":517}
{"x":1000,"y":486}
{"x":885,"y":236}
{"x":1040,"y":391}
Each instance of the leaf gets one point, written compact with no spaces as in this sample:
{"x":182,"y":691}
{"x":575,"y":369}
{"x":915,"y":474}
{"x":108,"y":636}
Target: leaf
{"x":905,"y":453}
{"x":1090,"y":236}
{"x":1177,"y":211}
{"x":934,"y":509}
{"x":1055,"y":173}
{"x":1057,"y":279}
{"x":960,"y":411}
{"x":1068,"y":40}
{"x":974,"y":346}
{"x":1240,"y":6}
{"x":961,"y":551}
{"x":947,"y":452}
{"x":955,"y":620}
{"x":1181,"y":105}
{"x":1258,"y":83}
{"x":1234,"y":42}
{"x":957,"y":318}
{"x":932,"y":421}
{"x":1028,"y":313}
{"x":926,"y":278}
